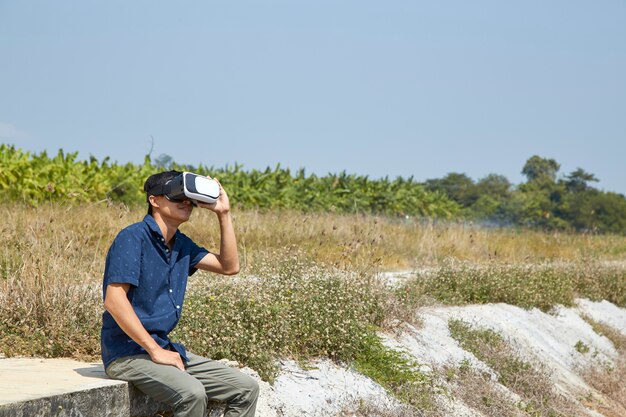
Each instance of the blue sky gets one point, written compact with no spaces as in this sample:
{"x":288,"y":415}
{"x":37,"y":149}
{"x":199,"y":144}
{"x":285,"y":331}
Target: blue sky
{"x":381,"y":88}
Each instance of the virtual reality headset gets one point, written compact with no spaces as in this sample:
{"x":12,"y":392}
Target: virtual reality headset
{"x":188,"y":187}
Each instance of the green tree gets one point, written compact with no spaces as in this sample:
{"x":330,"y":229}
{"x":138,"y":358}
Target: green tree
{"x":537,"y":168}
{"x":458,"y":187}
{"x":538,"y":201}
{"x":493,"y":191}
{"x":579,"y":180}
{"x":164,"y":162}
{"x":592,"y":210}
{"x":494,"y":185}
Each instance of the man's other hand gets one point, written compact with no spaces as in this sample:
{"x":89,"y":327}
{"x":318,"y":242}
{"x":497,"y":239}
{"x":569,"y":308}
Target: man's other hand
{"x":167,"y":357}
{"x":221,"y":206}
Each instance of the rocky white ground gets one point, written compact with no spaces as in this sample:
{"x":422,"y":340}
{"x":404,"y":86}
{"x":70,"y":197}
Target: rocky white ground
{"x":325,"y":388}
{"x":322,"y":389}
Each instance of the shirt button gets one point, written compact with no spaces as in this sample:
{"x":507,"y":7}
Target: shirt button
{"x":170,"y":290}
{"x":177,"y":306}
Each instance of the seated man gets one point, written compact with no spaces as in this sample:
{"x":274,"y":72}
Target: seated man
{"x":144,"y":286}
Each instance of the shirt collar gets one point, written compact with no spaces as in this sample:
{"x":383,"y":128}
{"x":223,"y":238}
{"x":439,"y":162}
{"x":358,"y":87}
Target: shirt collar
{"x":152,"y":224}
{"x":154,"y":227}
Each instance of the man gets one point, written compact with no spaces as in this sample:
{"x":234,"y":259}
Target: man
{"x":144,"y":286}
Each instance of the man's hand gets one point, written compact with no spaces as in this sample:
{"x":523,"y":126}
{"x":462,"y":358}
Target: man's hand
{"x":221,"y":206}
{"x":167,"y":357}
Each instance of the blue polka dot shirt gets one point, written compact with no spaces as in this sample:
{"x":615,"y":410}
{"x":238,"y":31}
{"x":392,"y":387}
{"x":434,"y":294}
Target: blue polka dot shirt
{"x":158,"y":280}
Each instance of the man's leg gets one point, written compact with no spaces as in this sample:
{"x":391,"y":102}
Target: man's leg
{"x":164,"y":383}
{"x":223,"y":383}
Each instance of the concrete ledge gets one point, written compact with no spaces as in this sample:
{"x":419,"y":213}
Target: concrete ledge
{"x":68,"y":388}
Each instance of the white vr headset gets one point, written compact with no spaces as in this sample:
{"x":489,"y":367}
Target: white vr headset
{"x":188,"y":187}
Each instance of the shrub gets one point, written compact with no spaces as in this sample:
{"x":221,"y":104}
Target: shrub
{"x":297,"y":309}
{"x":397,"y":372}
{"x":61,"y":319}
{"x":542,"y":285}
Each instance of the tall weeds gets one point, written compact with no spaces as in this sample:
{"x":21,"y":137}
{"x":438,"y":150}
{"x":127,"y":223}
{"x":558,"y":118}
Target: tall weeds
{"x":296,"y":309}
{"x":526,"y":379}
{"x":308,"y":284}
{"x":528,"y":285}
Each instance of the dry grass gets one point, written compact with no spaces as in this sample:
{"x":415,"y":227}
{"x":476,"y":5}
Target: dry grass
{"x":615,"y":336}
{"x":370,"y":408}
{"x":478,"y":392}
{"x":59,"y":242}
{"x":53,"y":257}
{"x":540,"y":285}
{"x":393,"y":244}
{"x":608,"y":379}
{"x":52,"y":261}
{"x":530,"y":381}
{"x":72,"y":240}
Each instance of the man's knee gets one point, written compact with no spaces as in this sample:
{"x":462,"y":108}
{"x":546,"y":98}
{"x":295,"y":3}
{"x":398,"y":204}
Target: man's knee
{"x":193,"y":395}
{"x":250,"y":388}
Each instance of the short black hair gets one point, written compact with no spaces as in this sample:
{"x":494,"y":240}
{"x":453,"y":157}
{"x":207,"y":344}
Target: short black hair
{"x":157,"y":179}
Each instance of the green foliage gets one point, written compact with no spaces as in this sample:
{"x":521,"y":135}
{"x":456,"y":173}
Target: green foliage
{"x":542,"y":202}
{"x":396,"y":372}
{"x":538,"y":169}
{"x":578,"y":180}
{"x":343,"y":193}
{"x":495,"y":186}
{"x":458,"y":187}
{"x":591,"y":210}
{"x":570,"y":203}
{"x":296,"y":310}
{"x":567,"y":204}
{"x":37,"y":178}
{"x":581,"y":347}
{"x":540,"y":286}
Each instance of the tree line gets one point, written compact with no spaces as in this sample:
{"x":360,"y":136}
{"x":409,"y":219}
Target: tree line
{"x":544,"y":201}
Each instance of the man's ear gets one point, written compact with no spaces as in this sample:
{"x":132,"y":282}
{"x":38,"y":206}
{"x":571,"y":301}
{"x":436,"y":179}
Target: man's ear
{"x":153,"y":201}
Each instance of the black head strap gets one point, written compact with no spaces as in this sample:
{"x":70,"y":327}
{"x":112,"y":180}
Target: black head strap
{"x":160,"y":189}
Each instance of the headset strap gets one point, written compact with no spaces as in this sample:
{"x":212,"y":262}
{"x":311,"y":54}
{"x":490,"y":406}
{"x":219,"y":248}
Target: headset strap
{"x":160,"y":189}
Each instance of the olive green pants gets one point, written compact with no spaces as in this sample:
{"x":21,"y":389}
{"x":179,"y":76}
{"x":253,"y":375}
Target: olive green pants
{"x":188,"y":392}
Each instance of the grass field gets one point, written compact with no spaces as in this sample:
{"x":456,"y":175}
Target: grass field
{"x":318,"y":292}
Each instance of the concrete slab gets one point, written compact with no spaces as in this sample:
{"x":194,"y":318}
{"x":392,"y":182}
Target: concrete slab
{"x":23,"y":379}
{"x":67,"y":388}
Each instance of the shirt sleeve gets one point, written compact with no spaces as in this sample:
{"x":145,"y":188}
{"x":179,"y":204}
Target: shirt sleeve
{"x":195,"y":255}
{"x":123,"y":262}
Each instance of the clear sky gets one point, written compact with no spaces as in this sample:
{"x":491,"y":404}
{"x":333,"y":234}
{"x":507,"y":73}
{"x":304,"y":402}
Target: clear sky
{"x":381,"y":88}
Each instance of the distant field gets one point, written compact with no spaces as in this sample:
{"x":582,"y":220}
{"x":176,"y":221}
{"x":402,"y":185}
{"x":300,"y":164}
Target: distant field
{"x":319,"y":292}
{"x":71,"y":240}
